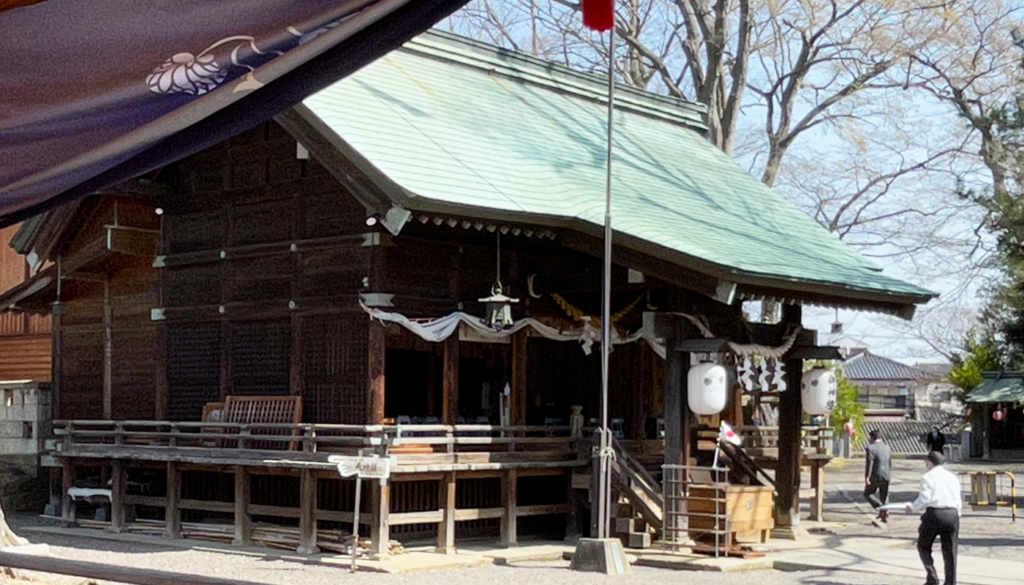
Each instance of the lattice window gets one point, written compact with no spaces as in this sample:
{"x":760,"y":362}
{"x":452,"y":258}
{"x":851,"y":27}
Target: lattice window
{"x":269,"y":221}
{"x":194,"y":232}
{"x":193,"y":369}
{"x":260,"y":358}
{"x":81,"y":393}
{"x":335,"y":369}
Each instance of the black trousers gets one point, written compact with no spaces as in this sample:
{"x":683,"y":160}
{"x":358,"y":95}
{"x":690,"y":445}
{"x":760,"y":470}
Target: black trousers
{"x":944,"y":523}
{"x":882,"y":487}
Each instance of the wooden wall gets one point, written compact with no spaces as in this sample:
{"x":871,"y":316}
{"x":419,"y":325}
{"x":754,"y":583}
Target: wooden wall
{"x":265,"y":260}
{"x":133,"y":294}
{"x":25,"y":345}
{"x":25,"y":357}
{"x":13,"y":268}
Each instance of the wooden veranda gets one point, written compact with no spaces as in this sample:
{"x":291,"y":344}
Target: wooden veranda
{"x":440,"y":454}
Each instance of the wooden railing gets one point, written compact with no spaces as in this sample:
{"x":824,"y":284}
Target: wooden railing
{"x":764,"y":441}
{"x":313,"y":439}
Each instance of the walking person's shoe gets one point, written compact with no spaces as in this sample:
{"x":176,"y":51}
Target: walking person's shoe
{"x":884,"y":516}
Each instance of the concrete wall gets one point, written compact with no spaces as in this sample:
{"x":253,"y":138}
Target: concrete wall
{"x":25,"y":423}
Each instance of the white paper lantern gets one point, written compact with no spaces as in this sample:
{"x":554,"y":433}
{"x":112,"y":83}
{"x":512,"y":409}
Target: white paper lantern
{"x":819,"y":390}
{"x":706,"y":389}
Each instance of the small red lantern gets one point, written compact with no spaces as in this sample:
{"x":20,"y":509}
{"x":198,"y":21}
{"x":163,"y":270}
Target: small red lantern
{"x":599,"y":14}
{"x":998,"y":415}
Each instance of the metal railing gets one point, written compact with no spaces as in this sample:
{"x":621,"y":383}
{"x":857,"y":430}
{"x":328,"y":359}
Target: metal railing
{"x":678,"y":483}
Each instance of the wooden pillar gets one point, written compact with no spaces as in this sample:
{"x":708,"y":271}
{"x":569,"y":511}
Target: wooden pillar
{"x":986,"y":436}
{"x":56,"y":359}
{"x":517,"y":401}
{"x":446,"y":528}
{"x":297,"y":378}
{"x":450,"y":375}
{"x":161,"y":371}
{"x":509,"y":531}
{"x":375,"y":384}
{"x":736,"y":406}
{"x":818,"y":483}
{"x":687,"y":415}
{"x":108,"y":342}
{"x":432,"y":386}
{"x":787,"y":474}
{"x":172,"y":526}
{"x":380,"y":530}
{"x":67,"y":506}
{"x":226,"y":380}
{"x":307,"y":513}
{"x":573,"y":520}
{"x":675,"y":396}
{"x":117,"y":492}
{"x":243,"y":522}
{"x":160,"y":347}
{"x":636,"y":397}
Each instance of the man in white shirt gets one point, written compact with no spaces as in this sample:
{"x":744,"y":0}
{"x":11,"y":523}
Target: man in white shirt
{"x":941,"y":501}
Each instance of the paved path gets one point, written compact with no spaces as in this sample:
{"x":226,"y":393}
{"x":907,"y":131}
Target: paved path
{"x":900,"y":558}
{"x":991,"y":545}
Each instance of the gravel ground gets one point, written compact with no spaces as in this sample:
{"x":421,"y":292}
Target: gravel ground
{"x":982,"y":534}
{"x":282,"y":572}
{"x":552,"y":573}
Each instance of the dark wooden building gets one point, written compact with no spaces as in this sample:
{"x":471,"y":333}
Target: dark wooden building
{"x":340,"y":256}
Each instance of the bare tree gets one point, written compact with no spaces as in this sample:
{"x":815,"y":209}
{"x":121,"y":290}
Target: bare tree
{"x":851,"y":108}
{"x":976,"y":71}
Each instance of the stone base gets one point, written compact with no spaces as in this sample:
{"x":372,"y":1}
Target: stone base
{"x":796,"y":533}
{"x":639,"y":540}
{"x":600,"y":555}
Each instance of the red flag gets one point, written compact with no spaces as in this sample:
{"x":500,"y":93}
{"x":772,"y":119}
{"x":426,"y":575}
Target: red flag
{"x":599,"y":14}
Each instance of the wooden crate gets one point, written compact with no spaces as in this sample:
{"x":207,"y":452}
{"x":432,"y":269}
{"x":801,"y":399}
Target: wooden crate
{"x":747,"y":508}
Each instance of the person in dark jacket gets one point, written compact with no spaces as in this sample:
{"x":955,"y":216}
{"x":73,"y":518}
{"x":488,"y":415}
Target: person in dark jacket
{"x":936,"y":440}
{"x":877,"y":473}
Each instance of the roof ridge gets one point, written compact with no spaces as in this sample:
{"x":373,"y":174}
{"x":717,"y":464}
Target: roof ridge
{"x":526,"y":68}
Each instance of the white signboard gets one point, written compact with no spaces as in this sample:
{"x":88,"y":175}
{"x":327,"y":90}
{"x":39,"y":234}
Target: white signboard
{"x":370,"y":467}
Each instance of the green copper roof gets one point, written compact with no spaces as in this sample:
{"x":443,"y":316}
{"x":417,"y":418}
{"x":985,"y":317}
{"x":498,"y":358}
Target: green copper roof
{"x":459,"y":125}
{"x":999,"y":387}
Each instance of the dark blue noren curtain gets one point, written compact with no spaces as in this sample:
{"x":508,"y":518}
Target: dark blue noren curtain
{"x":95,"y":93}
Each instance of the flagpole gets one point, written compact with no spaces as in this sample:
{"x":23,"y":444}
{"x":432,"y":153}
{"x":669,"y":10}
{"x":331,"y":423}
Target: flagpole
{"x":604,"y":469}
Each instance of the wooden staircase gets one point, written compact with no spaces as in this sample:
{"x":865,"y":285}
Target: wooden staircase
{"x":640,"y":507}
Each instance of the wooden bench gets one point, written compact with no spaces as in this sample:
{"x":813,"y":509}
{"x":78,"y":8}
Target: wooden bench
{"x":257,"y":410}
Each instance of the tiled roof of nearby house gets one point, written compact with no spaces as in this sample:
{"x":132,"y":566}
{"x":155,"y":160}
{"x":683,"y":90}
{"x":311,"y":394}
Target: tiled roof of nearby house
{"x":868,"y":366}
{"x":906,"y":437}
{"x":934,"y":371}
{"x":999,"y":387}
{"x":937,"y":416}
{"x":447,"y":125}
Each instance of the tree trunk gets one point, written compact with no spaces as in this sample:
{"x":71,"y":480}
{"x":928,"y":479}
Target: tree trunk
{"x":9,"y":538}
